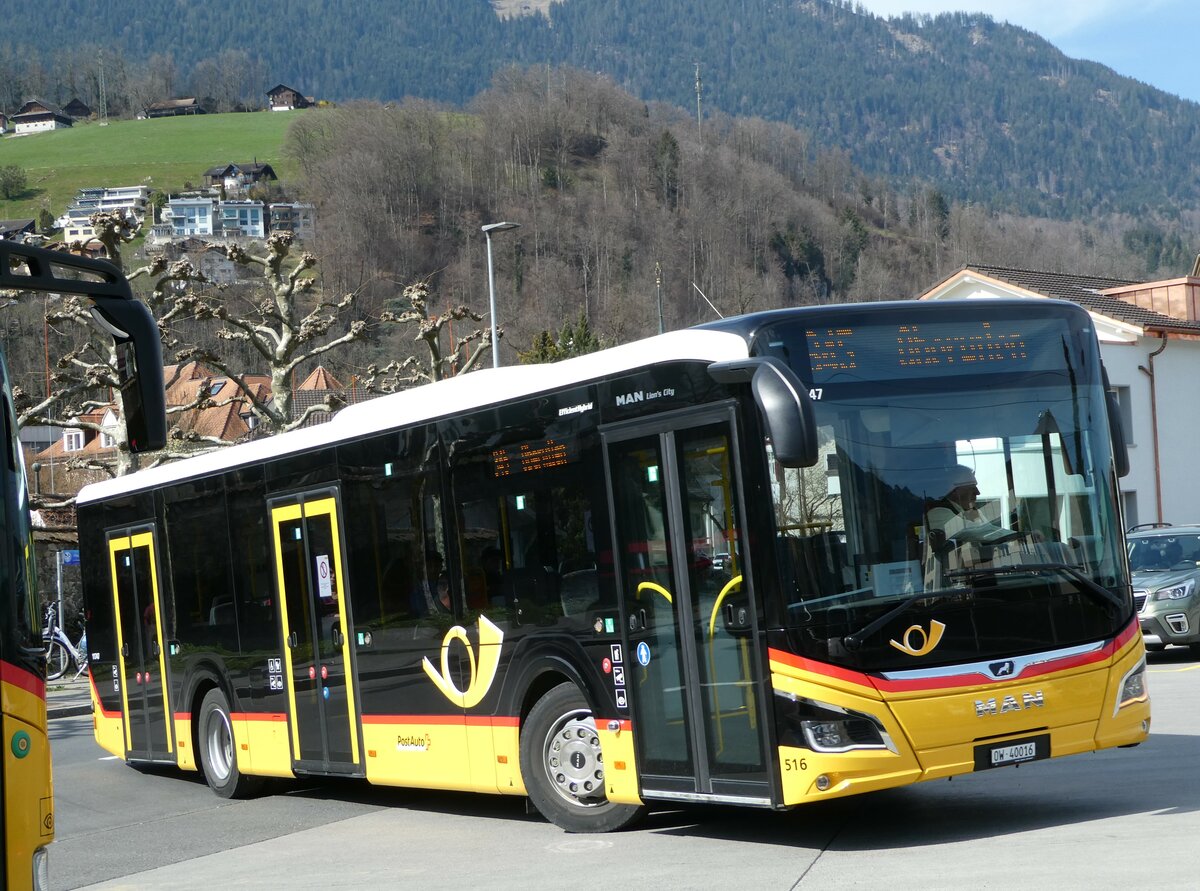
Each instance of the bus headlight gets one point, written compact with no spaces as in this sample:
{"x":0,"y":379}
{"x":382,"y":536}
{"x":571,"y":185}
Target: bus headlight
{"x":1176,"y":592}
{"x":824,"y":727}
{"x":1133,"y":687}
{"x":41,"y":870}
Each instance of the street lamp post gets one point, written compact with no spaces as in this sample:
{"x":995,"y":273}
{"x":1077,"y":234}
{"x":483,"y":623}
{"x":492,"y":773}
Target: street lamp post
{"x":487,"y":232}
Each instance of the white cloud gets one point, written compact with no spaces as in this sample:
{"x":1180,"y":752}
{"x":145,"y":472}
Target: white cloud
{"x":1050,"y":20}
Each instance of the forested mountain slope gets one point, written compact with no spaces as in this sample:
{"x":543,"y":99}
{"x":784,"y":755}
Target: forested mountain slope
{"x":989,"y":112}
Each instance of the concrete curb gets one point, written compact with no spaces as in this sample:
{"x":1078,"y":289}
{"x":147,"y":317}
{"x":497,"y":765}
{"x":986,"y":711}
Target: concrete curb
{"x":68,"y":711}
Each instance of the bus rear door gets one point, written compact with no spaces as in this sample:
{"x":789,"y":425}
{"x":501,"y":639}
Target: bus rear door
{"x":316,"y":628}
{"x":142,"y":666}
{"x":693,"y":675}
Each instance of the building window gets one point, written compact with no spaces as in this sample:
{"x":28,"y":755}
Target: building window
{"x":107,"y":441}
{"x":73,"y":441}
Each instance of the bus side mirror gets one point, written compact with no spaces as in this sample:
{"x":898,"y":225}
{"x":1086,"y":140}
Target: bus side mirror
{"x":1120,"y":450}
{"x":138,"y":346}
{"x":1116,"y":428}
{"x":783,"y":401}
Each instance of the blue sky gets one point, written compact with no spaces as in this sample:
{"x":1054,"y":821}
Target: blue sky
{"x":1150,"y":40}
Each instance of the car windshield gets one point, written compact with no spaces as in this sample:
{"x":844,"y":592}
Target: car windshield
{"x":980,"y":502}
{"x":1164,"y":551}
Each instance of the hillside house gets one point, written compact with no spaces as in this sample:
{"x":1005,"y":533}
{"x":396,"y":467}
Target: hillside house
{"x":190,"y":215}
{"x":283,"y":98}
{"x":242,"y":219}
{"x":238,"y":178}
{"x":227,"y":417}
{"x":1150,"y":343}
{"x":174,"y":107}
{"x":75,"y":222}
{"x":16,"y":230}
{"x":295,"y":218}
{"x":36,"y":116}
{"x":3,"y":122}
{"x":76,"y":110}
{"x":319,"y":387}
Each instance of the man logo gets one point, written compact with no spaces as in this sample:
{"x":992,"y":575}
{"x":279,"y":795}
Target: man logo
{"x":1003,"y":669}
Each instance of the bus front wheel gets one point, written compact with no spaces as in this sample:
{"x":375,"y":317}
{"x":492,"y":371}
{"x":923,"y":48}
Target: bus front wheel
{"x":563,"y":767}
{"x":217,"y":753}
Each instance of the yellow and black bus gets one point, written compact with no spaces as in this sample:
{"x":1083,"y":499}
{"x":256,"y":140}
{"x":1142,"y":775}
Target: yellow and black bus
{"x":26,"y":791}
{"x":695,"y":568}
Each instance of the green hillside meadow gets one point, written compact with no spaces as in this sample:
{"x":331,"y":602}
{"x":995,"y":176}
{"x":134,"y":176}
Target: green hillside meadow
{"x":163,"y":153}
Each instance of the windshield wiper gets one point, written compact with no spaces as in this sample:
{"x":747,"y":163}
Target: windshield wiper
{"x":855,"y":639}
{"x":1096,"y":590}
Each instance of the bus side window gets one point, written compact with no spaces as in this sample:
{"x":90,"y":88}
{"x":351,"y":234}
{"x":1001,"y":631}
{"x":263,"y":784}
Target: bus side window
{"x":392,"y":517}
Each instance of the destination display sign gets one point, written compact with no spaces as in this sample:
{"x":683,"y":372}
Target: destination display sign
{"x":923,"y":349}
{"x":530,"y":457}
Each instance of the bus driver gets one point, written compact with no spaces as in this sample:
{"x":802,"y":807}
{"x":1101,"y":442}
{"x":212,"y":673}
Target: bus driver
{"x":956,"y":516}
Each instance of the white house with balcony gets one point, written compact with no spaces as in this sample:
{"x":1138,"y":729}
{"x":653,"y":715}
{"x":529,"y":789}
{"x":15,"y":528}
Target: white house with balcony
{"x":75,"y":222}
{"x":1149,"y":336}
{"x":191,"y":215}
{"x":245,"y":219}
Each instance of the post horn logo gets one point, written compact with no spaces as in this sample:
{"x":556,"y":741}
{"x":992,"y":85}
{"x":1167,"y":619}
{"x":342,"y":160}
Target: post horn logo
{"x":483,"y":670}
{"x":928,"y":640}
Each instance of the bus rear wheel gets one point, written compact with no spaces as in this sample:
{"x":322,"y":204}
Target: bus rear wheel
{"x":563,"y":767}
{"x":218,"y":755}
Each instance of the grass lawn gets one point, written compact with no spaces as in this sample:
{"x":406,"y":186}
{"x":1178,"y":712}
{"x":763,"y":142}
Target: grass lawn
{"x":163,"y":153}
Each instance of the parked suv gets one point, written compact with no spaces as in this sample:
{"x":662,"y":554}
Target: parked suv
{"x":1166,"y":584}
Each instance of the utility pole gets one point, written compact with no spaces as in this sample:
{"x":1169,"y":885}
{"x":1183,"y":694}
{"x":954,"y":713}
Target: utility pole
{"x":658,"y":287}
{"x":103,"y":111}
{"x":699,"y":136}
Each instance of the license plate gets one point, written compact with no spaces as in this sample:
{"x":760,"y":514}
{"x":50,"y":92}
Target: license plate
{"x":1015,"y":751}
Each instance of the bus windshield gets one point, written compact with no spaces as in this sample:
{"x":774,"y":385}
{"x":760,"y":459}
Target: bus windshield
{"x":964,"y":504}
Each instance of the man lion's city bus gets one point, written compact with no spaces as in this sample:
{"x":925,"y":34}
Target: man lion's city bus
{"x":695,"y":568}
{"x":26,"y":790}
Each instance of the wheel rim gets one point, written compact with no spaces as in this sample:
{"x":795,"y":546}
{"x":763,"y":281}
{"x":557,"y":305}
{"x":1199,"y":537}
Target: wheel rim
{"x":56,"y":661}
{"x":218,"y":744}
{"x":573,"y":761}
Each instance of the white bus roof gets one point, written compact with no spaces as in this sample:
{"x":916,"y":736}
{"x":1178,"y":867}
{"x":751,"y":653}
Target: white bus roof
{"x":449,"y":397}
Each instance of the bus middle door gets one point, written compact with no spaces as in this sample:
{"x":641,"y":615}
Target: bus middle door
{"x":315,"y":625}
{"x":692,"y":670}
{"x":141,"y":659}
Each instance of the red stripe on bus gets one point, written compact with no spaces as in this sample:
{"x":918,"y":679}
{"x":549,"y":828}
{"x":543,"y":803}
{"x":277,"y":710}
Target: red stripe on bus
{"x":22,"y":678}
{"x":626,"y":724}
{"x":502,"y":721}
{"x":1126,"y":636}
{"x":974,"y":679}
{"x":822,"y":668}
{"x":256,"y":716}
{"x":962,"y":680}
{"x":116,"y":713}
{"x":472,"y":720}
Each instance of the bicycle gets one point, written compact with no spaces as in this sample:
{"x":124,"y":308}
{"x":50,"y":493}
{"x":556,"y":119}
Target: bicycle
{"x":61,"y":654}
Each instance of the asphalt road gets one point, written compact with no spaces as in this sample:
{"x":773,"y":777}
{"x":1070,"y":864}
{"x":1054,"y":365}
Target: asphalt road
{"x":1120,"y":819}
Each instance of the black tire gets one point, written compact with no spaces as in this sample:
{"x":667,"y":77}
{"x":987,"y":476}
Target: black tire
{"x":57,"y":660}
{"x":563,"y":768}
{"x":217,"y":750}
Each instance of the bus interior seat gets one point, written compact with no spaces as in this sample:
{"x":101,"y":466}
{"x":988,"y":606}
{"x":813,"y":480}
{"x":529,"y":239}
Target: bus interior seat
{"x":819,"y":562}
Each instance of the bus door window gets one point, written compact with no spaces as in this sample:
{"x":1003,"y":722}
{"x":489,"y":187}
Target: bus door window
{"x":647,"y":565}
{"x":317,"y":628}
{"x":722,"y":611}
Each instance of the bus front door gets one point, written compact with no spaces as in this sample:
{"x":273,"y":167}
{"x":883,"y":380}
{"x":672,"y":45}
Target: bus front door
{"x":142,"y":659}
{"x":315,"y":625}
{"x":692,"y":674}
